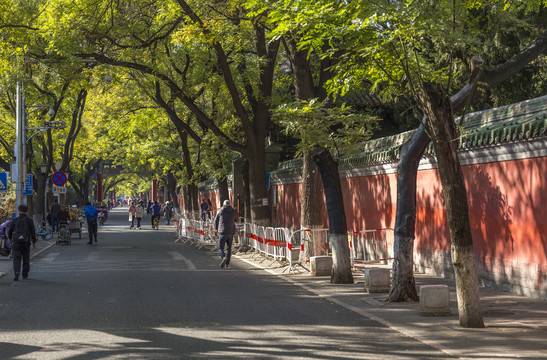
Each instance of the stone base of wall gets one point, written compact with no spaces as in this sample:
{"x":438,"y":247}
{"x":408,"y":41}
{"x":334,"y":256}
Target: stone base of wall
{"x":507,"y":275}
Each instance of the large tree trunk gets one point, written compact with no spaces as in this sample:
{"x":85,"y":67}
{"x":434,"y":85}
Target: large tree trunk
{"x":223,"y":192}
{"x":403,"y":284}
{"x":260,"y":213}
{"x":328,"y":168}
{"x":311,"y":205}
{"x":411,"y":152}
{"x":437,"y":107}
{"x":311,"y":200}
{"x":172,"y":190}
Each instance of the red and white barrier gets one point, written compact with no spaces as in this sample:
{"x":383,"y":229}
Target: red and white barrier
{"x":370,"y":246}
{"x":366,"y":246}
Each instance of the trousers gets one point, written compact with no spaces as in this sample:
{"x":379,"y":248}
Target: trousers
{"x":21,"y":251}
{"x":225,"y":240}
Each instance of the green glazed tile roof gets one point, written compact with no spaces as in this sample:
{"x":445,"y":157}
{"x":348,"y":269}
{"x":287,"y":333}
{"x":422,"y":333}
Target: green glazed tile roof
{"x":512,"y":123}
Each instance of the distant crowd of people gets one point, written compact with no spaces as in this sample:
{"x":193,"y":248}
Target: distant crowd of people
{"x":137,"y":207}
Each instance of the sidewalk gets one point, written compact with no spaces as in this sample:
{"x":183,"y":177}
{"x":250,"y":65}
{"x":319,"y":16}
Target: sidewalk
{"x":516,"y":326}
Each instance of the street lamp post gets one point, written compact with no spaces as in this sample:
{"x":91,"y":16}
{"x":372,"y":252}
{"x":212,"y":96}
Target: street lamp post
{"x":20,"y":135}
{"x":21,"y":140}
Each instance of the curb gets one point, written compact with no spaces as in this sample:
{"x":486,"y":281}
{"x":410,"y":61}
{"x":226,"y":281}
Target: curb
{"x":367,"y":314}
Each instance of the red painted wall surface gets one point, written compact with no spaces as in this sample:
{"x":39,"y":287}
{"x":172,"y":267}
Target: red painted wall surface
{"x":508,"y":208}
{"x":287,"y":211}
{"x":507,"y":204}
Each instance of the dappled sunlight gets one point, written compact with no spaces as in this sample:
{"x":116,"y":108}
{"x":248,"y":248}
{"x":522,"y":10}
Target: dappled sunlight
{"x":208,"y":341}
{"x":370,"y":201}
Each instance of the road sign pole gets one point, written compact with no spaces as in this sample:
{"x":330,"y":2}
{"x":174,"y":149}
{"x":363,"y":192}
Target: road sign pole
{"x":19,"y":147}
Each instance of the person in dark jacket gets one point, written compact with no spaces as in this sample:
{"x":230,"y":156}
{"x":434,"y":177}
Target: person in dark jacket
{"x":21,"y":232}
{"x":54,"y":211}
{"x":225,"y":224}
{"x":155,"y":210}
{"x":91,"y":215}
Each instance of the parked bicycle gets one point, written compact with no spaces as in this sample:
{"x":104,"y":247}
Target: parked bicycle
{"x":44,"y":231}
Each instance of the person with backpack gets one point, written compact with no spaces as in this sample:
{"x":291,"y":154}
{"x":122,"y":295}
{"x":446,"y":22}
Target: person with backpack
{"x":91,"y":215}
{"x":225,"y":225}
{"x":21,"y":232}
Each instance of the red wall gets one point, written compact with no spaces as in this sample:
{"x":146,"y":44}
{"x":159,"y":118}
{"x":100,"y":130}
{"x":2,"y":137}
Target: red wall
{"x":507,"y":204}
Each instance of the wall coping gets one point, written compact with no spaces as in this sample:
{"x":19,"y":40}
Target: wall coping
{"x":516,"y":131}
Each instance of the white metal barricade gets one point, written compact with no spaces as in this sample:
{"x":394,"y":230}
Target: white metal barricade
{"x":306,"y":235}
{"x":370,"y":246}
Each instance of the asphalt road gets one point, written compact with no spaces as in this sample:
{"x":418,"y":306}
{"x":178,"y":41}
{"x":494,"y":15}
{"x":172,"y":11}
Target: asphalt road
{"x":138,"y":295}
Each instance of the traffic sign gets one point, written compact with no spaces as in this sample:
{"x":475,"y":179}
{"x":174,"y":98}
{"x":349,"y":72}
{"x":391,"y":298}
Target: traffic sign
{"x":27,"y":190}
{"x":59,"y":178}
{"x":3,"y":181}
{"x":58,"y":190}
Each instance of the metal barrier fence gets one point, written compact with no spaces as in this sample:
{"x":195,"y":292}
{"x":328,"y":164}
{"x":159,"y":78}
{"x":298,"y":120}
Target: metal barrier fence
{"x":366,"y":246}
{"x":370,"y":246}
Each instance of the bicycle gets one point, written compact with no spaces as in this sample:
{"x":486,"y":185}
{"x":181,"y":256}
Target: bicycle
{"x":44,"y":231}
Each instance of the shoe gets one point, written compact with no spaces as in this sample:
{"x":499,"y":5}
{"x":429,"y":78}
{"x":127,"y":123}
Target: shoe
{"x":223,"y":262}
{"x":25,"y":276}
{"x":139,"y":228}
{"x":89,"y":242}
{"x":16,"y":278}
{"x":228,"y":267}
{"x":95,"y":239}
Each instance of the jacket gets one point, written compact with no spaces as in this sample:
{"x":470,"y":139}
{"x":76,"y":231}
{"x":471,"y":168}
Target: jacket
{"x":30,"y":224}
{"x":91,"y":213}
{"x":155,"y":209}
{"x":225,"y":220}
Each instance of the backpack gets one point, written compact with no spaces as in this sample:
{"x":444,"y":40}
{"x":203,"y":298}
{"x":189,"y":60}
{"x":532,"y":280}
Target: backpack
{"x":21,"y":232}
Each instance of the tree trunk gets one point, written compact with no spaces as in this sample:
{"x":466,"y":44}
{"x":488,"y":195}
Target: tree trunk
{"x":328,"y":168}
{"x":40,"y":211}
{"x":311,"y":204}
{"x":223,"y":192}
{"x":438,"y":109}
{"x":403,"y":284}
{"x":172,"y":189}
{"x":411,"y":152}
{"x":311,"y":200}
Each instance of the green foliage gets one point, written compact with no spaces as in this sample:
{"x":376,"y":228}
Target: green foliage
{"x":316,"y":124}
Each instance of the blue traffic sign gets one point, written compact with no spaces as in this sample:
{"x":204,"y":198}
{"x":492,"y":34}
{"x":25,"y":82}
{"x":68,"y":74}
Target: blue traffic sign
{"x":28,"y":185}
{"x":59,"y":178}
{"x":3,"y":181}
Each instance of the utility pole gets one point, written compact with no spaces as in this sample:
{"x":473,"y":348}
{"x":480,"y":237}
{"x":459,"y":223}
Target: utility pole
{"x":19,"y":147}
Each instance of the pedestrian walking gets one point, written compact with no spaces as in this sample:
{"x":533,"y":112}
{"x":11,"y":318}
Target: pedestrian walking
{"x":203,"y":207}
{"x":138,"y":214}
{"x":91,"y":214}
{"x":168,"y":212}
{"x":21,"y":232}
{"x":54,"y":211}
{"x":155,"y":211}
{"x":225,"y":224}
{"x":132,"y":211}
